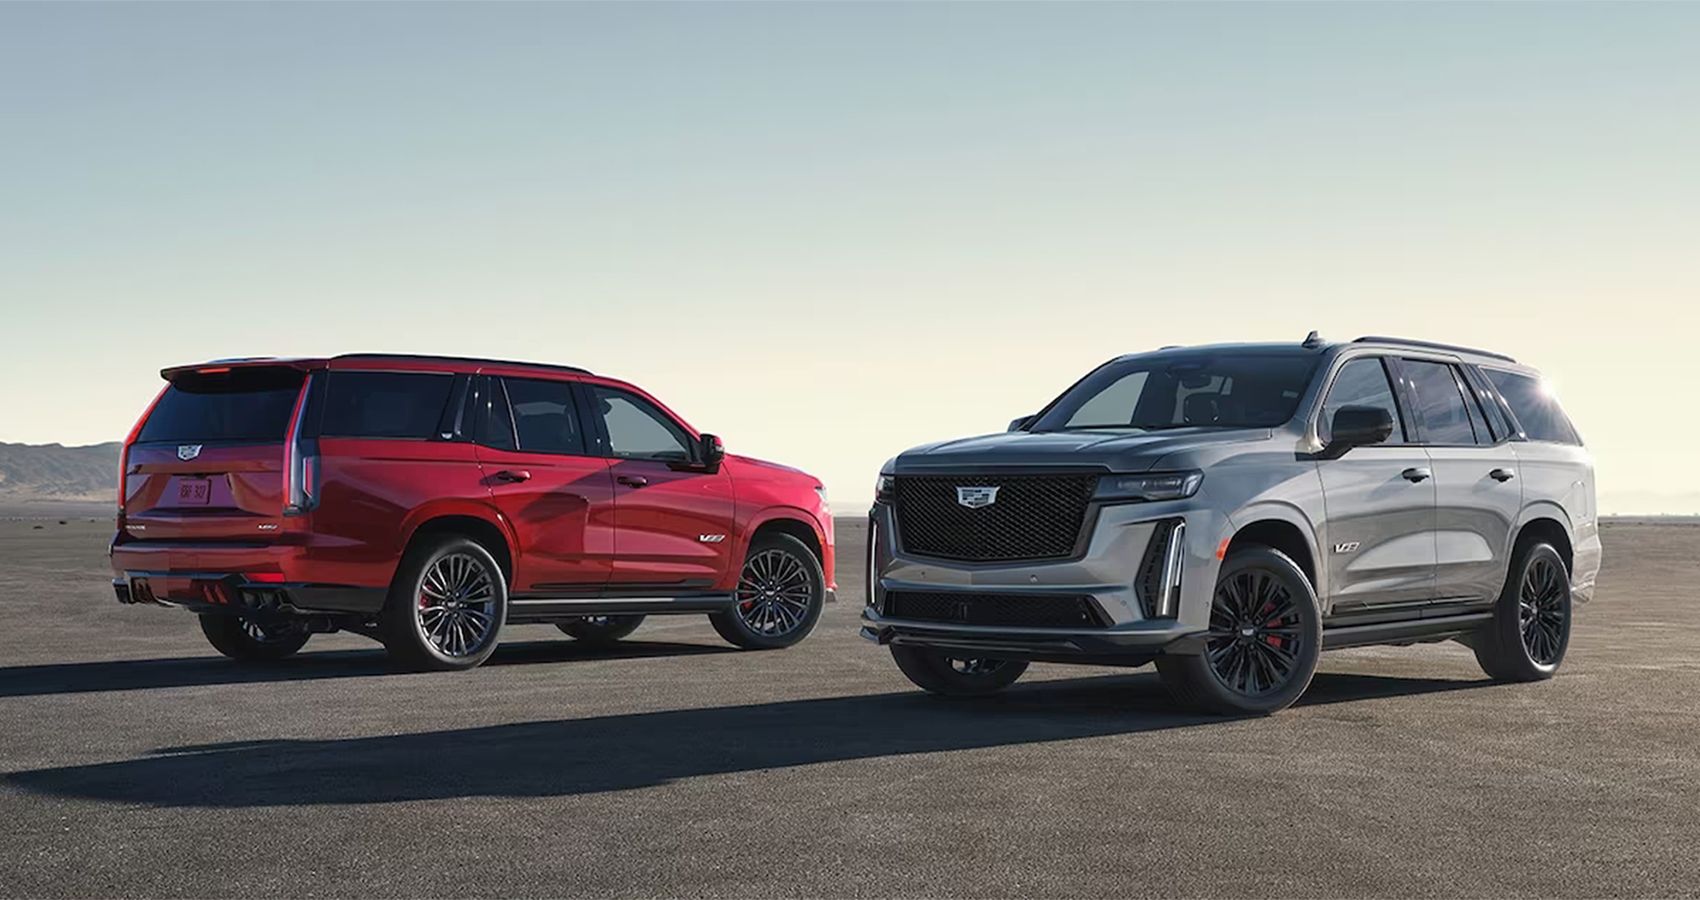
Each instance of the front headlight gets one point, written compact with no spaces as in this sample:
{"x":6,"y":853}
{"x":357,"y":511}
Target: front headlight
{"x":1161,"y":486}
{"x":825,"y":504}
{"x":883,"y":487}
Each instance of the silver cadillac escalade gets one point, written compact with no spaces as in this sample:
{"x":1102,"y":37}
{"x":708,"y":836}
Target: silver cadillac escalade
{"x":1230,"y":511}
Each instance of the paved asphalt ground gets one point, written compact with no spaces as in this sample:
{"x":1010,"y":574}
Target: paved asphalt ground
{"x":133,"y":761}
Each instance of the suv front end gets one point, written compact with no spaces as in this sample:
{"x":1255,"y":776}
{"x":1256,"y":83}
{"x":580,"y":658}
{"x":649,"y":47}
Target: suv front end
{"x":1039,"y":564}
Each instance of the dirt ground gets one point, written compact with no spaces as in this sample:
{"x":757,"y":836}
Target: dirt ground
{"x":135,"y":761}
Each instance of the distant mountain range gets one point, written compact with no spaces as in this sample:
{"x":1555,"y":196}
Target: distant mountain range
{"x":56,"y":473}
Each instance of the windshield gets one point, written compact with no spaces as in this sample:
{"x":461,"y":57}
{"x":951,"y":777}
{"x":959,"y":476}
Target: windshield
{"x":1217,"y":390}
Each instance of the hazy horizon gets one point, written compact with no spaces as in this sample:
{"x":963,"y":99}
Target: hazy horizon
{"x":831,"y":232}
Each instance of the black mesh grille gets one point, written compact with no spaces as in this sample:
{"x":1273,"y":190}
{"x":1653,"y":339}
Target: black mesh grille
{"x":959,"y":608}
{"x":1150,"y":580}
{"x":1033,"y":516}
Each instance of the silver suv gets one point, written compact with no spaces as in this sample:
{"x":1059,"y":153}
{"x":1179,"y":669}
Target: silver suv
{"x":1230,"y":511}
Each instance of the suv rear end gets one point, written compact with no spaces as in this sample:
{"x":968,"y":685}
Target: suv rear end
{"x":217,"y":485}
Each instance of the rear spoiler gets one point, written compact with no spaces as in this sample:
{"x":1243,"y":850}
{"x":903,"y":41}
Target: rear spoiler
{"x":218,"y":366}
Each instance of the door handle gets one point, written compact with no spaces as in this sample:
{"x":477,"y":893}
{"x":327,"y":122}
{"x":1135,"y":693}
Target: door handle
{"x":632,"y":480}
{"x":1415,"y":474}
{"x":1502,"y":474}
{"x":512,"y":476}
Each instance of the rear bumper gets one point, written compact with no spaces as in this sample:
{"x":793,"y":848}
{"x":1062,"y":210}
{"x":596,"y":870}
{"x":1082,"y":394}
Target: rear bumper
{"x":236,"y":577}
{"x":236,"y":594}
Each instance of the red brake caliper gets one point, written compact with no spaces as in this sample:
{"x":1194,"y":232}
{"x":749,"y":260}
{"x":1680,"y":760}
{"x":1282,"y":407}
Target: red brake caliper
{"x":1271,"y":640}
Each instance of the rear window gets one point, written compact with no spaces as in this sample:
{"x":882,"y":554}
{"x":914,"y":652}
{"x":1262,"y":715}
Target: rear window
{"x":384,"y":404}
{"x":243,"y":404}
{"x":1536,"y":409}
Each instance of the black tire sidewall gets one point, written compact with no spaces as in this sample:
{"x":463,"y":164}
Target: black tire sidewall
{"x":931,"y":671}
{"x":1511,"y":658}
{"x":1194,"y":680}
{"x":731,"y":625}
{"x":618,"y":626}
{"x":401,"y":632}
{"x":226,"y":635}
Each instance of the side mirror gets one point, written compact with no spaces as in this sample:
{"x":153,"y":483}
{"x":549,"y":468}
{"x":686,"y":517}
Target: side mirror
{"x":1357,"y":426}
{"x":710,"y":450}
{"x":1019,"y":424}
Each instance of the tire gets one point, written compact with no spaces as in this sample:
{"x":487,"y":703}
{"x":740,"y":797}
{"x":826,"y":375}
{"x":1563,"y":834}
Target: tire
{"x":936,"y":672}
{"x":249,"y":641}
{"x":446,"y":606}
{"x":779,"y":597}
{"x":600,"y":631}
{"x":1531,"y":620}
{"x":1264,"y":640}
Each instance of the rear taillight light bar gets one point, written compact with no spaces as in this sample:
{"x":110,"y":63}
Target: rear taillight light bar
{"x":301,"y":460}
{"x":124,"y":453}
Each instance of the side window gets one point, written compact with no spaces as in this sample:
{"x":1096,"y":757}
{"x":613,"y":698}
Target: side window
{"x":385,"y":404}
{"x":1439,"y":402}
{"x":1535,"y":408}
{"x":495,"y":422}
{"x":636,"y":429}
{"x":1361,"y":382}
{"x":1472,"y":405}
{"x":544,"y":416}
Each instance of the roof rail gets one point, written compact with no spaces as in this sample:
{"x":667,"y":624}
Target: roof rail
{"x":463,"y":359}
{"x":1431,"y":345}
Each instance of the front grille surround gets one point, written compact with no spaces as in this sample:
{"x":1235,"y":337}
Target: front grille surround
{"x":1017,"y":610}
{"x":1036,"y":517}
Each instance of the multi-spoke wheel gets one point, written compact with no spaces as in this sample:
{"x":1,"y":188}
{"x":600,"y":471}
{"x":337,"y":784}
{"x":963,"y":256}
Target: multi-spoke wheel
{"x":1262,"y":644}
{"x":1255,"y":637}
{"x":446,"y":607}
{"x":600,"y":630}
{"x":778,"y":598}
{"x":1531,"y":626}
{"x":250,"y":640}
{"x":936,"y":672}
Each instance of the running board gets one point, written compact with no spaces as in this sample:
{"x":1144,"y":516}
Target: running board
{"x":523,"y":610}
{"x":1408,"y":631}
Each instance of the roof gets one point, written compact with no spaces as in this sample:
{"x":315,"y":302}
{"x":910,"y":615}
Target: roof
{"x":304,"y":362}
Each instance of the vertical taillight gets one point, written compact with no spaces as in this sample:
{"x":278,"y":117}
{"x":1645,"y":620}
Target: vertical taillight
{"x":301,"y":459}
{"x":124,"y":454}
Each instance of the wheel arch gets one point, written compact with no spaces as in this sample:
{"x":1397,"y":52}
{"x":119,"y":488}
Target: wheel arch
{"x":1548,"y":522}
{"x":480,"y":524}
{"x":1282,"y":529}
{"x":790,"y":521}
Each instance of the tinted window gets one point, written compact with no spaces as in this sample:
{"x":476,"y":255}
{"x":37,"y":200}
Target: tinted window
{"x":1113,"y":405}
{"x":495,"y":424}
{"x":1439,"y":402}
{"x":545,"y":416}
{"x":637,"y":430}
{"x":385,"y":404}
{"x":245,"y":404}
{"x":1535,"y":408}
{"x":1176,"y":390}
{"x":1360,"y":382}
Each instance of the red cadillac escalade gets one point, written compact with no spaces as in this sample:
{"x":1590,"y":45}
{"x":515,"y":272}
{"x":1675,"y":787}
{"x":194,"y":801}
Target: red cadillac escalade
{"x":428,"y":502}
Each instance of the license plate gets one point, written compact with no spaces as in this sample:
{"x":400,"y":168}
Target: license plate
{"x":194,"y":491}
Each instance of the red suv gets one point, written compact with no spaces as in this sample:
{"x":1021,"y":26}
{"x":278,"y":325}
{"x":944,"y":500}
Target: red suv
{"x":429,"y":501}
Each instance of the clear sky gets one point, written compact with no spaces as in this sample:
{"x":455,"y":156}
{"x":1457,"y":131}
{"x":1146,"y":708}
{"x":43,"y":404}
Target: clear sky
{"x":832,"y":232}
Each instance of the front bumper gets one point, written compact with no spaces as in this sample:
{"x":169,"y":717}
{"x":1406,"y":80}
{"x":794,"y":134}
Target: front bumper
{"x":1107,"y":571}
{"x":1134,"y":644}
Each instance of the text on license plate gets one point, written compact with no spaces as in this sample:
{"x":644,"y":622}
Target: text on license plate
{"x":194,"y":491}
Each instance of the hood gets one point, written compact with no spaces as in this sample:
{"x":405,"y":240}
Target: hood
{"x":1114,"y":451}
{"x":765,"y":464}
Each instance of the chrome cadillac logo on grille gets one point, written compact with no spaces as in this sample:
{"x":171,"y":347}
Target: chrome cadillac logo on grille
{"x":976,"y":497}
{"x":187,"y":452}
